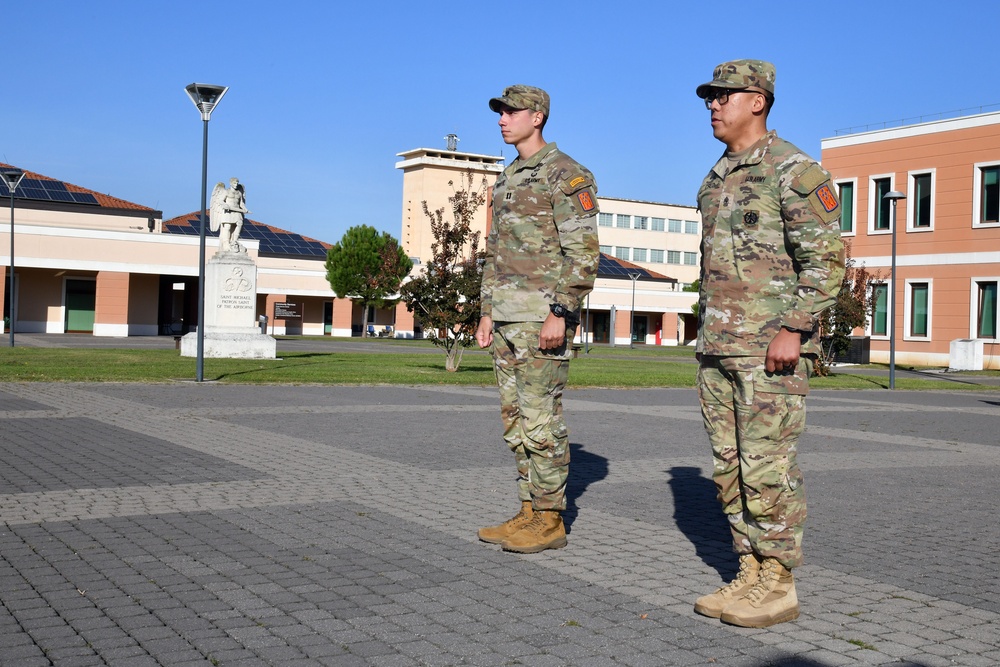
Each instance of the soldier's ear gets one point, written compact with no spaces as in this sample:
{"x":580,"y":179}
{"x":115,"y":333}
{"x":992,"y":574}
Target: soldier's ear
{"x":537,"y":118}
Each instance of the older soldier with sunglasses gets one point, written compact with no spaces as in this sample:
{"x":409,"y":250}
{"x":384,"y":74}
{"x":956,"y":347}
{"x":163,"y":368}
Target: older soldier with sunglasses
{"x":771,"y":261}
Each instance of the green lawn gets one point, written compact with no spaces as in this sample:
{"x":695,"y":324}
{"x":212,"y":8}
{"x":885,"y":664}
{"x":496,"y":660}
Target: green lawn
{"x":604,"y":367}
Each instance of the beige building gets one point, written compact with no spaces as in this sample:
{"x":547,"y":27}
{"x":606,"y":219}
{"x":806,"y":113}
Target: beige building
{"x":661,"y":237}
{"x":90,"y":263}
{"x":85,"y":262}
{"x":668,"y":235}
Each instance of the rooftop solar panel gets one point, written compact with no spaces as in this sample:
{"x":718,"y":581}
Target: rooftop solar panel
{"x":42,"y":190}
{"x":271,"y":242}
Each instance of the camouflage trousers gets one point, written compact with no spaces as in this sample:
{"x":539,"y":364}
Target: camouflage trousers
{"x":754,"y":420}
{"x":531,"y":383}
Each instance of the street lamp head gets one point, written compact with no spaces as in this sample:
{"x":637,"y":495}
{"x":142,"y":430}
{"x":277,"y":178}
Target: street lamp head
{"x":205,"y":96}
{"x":894,"y":195}
{"x":12,"y":178}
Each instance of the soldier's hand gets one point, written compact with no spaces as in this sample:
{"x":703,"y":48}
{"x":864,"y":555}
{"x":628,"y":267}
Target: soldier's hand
{"x":484,"y":333}
{"x":783,"y":352}
{"x":553,"y":333}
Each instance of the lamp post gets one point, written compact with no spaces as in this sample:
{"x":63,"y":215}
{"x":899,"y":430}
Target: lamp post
{"x":205,"y":97}
{"x":12,"y":177}
{"x":894,"y":197}
{"x":631,"y":321}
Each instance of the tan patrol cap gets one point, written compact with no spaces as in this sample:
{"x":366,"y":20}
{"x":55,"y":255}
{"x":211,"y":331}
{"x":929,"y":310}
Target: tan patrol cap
{"x":522,"y":97}
{"x":741,"y":74}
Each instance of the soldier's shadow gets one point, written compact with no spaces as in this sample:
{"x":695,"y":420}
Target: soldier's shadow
{"x":698,"y":515}
{"x":585,"y":469}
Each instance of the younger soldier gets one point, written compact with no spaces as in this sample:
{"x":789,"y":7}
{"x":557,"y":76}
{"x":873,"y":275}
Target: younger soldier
{"x":771,"y":261}
{"x":541,"y":260}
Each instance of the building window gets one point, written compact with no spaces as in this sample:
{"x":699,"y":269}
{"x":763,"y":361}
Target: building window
{"x":880,"y":310}
{"x":918,"y":308}
{"x":621,"y":253}
{"x":604,"y":220}
{"x":638,"y":254}
{"x":920,"y":207}
{"x":690,"y":227}
{"x":986,"y":308}
{"x":673,"y":257}
{"x":623,"y":221}
{"x":691,"y":258}
{"x":674,"y":226}
{"x":986,"y":196}
{"x":606,"y":249}
{"x":880,"y":207}
{"x":658,"y":224}
{"x":641,"y":222}
{"x":846,"y":190}
{"x":656,"y":256}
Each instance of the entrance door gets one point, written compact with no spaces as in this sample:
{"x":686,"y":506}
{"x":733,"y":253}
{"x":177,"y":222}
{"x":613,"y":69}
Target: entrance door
{"x":602,"y":324}
{"x":81,"y":298}
{"x":640,"y":327}
{"x":327,"y":318}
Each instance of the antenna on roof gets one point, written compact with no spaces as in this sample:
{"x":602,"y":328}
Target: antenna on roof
{"x":452,"y":141}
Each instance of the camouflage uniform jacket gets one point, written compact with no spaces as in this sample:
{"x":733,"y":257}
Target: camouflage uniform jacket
{"x":542,"y":247}
{"x":771,"y":252}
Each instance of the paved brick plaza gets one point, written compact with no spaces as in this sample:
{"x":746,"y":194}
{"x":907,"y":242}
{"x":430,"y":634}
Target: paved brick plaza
{"x":188,"y":524}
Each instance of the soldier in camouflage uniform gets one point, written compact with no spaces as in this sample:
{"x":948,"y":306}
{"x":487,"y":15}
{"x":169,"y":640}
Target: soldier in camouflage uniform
{"x":771,"y":261}
{"x":541,"y":260}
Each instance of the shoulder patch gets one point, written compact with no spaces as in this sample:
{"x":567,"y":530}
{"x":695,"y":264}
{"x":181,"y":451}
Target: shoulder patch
{"x":586,"y":201}
{"x":826,"y":198}
{"x":577,"y":181}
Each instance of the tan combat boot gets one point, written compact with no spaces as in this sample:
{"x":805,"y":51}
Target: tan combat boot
{"x":711,"y":605}
{"x":497,"y":534}
{"x":771,"y":600}
{"x":544,"y":531}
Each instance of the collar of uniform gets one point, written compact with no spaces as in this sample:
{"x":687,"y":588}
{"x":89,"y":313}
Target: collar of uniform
{"x":752,"y":155}
{"x":534,"y":159}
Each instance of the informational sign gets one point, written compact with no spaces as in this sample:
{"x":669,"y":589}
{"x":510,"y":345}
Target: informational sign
{"x":287,"y":311}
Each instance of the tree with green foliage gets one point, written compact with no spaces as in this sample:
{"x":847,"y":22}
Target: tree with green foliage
{"x":694,"y":287}
{"x":367,"y":267}
{"x":446,"y":296}
{"x":854,"y":304}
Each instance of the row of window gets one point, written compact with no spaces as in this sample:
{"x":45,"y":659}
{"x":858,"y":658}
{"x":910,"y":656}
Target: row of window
{"x":917,"y":309}
{"x":644,"y":222}
{"x":652,"y":256}
{"x":920,"y":200}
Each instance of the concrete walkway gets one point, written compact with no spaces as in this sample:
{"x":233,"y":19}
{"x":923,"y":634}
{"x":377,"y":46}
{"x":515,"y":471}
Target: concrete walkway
{"x":188,"y":524}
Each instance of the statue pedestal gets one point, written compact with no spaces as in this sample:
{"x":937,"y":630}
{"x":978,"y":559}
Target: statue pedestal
{"x":231,"y":329}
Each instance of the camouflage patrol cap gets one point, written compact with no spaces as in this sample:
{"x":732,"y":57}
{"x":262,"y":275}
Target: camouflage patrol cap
{"x":740,"y":74}
{"x":522,"y":97}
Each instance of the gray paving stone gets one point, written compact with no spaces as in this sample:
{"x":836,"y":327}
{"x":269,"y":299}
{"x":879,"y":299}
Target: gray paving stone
{"x":272,"y":525}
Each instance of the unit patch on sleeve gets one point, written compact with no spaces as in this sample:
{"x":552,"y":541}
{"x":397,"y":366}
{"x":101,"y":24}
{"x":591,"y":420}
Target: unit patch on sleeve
{"x":586,"y":201}
{"x":826,"y":198}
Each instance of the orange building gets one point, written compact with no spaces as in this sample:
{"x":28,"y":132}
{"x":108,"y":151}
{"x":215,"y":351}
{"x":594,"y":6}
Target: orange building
{"x":947,"y":235}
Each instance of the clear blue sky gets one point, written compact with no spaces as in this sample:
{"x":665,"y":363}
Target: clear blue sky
{"x":324,"y":94}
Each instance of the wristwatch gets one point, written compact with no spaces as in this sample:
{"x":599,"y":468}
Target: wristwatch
{"x":559,"y":310}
